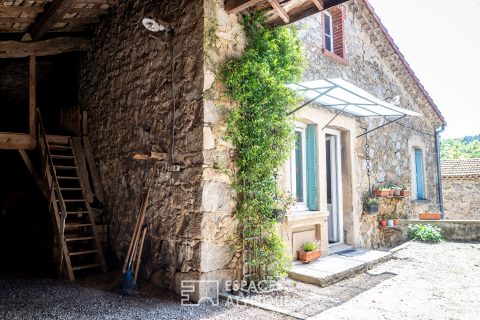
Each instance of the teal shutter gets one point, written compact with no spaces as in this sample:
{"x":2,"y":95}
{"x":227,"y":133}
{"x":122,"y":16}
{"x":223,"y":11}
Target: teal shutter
{"x":419,"y":174}
{"x":312,"y":183}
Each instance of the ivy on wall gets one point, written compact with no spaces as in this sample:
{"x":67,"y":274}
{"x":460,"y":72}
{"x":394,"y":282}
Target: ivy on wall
{"x":262,"y":132}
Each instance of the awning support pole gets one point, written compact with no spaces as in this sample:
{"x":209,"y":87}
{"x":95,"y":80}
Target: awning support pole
{"x":336,"y":115}
{"x":383,"y":125}
{"x":308,"y":102}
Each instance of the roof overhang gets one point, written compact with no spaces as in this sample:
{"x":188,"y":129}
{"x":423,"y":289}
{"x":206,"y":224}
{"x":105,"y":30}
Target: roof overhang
{"x":345,"y":97}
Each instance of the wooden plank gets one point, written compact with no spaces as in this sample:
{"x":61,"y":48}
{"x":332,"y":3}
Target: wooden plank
{"x":32,"y":94}
{"x":84,"y":123}
{"x":14,"y":141}
{"x":16,"y":10}
{"x":280,"y":10}
{"x":57,"y":139}
{"x":54,"y":13}
{"x":5,"y":20}
{"x":97,"y":185}
{"x":318,"y":4}
{"x":236,"y":6}
{"x":82,"y":168}
{"x":18,"y":49}
{"x":304,"y":11}
{"x":109,"y":2}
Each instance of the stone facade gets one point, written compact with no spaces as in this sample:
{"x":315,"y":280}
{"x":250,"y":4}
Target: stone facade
{"x":461,"y":197}
{"x":126,"y":88}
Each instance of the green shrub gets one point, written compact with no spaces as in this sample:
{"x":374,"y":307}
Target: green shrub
{"x":261,"y":128}
{"x":310,"y":246}
{"x":425,"y":233}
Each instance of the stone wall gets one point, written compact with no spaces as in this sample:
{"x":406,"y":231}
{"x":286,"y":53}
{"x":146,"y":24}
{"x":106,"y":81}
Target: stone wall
{"x":461,"y":198}
{"x":369,"y":65}
{"x":126,"y":88}
{"x":456,"y":230}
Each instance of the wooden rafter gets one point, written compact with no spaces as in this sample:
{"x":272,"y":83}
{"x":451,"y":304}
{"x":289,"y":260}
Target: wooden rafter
{"x":280,"y":10}
{"x":235,"y":6}
{"x":54,"y":13}
{"x":17,"y":49}
{"x":318,"y":4}
{"x":15,"y":10}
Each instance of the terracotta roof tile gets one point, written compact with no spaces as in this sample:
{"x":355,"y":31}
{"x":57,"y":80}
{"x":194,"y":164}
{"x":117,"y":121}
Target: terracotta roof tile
{"x":461,"y":167}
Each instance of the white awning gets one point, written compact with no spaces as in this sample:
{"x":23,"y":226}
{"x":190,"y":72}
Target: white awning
{"x":344,"y":96}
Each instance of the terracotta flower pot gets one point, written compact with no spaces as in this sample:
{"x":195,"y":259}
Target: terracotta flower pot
{"x":396,"y":192}
{"x":405,"y":193}
{"x":396,"y":222}
{"x":383,"y":223}
{"x":308,"y":256}
{"x":429,"y":216}
{"x":391,"y":192}
{"x":382,"y":193}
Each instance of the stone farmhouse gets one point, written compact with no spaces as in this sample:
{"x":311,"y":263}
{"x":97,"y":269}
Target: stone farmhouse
{"x":124,"y":103}
{"x":461,"y":188}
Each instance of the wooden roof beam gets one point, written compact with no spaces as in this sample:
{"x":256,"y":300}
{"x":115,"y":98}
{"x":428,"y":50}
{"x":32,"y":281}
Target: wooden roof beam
{"x":280,"y":10}
{"x":318,"y":4}
{"x":55,"y":12}
{"x":235,"y":6}
{"x":18,"y":49}
{"x":14,"y":10}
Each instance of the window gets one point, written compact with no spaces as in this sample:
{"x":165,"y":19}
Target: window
{"x":328,"y":31}
{"x":304,"y":167}
{"x":419,"y":174}
{"x":333,"y":33}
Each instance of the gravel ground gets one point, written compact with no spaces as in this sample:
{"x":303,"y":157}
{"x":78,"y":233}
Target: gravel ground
{"x":423,"y":281}
{"x":27,"y":298}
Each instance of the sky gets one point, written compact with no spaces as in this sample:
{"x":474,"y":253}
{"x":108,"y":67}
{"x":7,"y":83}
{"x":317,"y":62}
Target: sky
{"x":440,"y":40}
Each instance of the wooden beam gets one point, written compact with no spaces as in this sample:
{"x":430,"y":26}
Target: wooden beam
{"x":16,"y":49}
{"x":318,"y":4}
{"x":97,"y":185}
{"x":14,"y":141}
{"x":5,"y":20}
{"x":15,"y":10}
{"x":280,"y":10}
{"x":54,"y":13}
{"x":32,"y":94}
{"x":304,"y":11}
{"x":235,"y":6}
{"x":82,"y":168}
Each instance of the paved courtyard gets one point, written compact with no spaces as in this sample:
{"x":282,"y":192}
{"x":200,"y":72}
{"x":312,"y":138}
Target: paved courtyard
{"x":423,"y":281}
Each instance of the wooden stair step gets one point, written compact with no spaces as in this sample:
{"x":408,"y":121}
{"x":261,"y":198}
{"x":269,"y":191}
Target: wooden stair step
{"x":67,"y":178}
{"x":77,"y":253}
{"x":78,"y":225}
{"x":58,"y":156}
{"x":73,"y":200}
{"x":65,"y":167}
{"x":77,"y":212}
{"x":59,"y":147}
{"x":87,"y":266}
{"x":80,"y":238}
{"x":71,"y":189}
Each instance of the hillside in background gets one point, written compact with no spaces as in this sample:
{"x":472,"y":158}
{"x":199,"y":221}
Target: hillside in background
{"x":460,"y":148}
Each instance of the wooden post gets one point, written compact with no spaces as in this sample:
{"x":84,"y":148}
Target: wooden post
{"x":32,"y":85}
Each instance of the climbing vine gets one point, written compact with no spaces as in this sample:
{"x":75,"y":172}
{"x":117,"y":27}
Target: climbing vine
{"x":262,"y":131}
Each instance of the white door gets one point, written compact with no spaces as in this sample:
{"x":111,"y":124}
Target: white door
{"x":334,"y":187}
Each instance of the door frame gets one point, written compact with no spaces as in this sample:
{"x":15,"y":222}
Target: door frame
{"x":338,"y":194}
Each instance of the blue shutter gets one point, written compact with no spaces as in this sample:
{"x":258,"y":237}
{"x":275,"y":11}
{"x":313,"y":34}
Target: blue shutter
{"x":419,"y":174}
{"x":312,"y":184}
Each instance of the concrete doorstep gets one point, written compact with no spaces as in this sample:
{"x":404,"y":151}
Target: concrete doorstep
{"x":333,"y":268}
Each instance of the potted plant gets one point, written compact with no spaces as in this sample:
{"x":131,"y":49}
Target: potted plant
{"x":405,"y":192}
{"x":372,"y":206}
{"x":390,"y":221}
{"x":310,"y":251}
{"x":396,"y":221}
{"x":383,"y":221}
{"x":396,"y":190}
{"x":382,"y":191}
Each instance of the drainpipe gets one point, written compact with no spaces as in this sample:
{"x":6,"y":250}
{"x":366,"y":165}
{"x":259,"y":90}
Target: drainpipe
{"x":439,"y":172}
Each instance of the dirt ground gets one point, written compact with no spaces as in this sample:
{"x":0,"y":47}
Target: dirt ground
{"x":423,"y":281}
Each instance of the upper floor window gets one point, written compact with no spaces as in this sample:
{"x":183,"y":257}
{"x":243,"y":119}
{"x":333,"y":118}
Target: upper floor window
{"x":333,"y":32}
{"x":419,"y":174}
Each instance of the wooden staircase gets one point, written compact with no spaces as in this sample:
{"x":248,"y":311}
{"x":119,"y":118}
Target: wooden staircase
{"x":66,"y":175}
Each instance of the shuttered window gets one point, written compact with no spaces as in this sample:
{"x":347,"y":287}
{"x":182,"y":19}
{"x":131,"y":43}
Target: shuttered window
{"x":328,"y":31}
{"x":419,"y":174}
{"x":304,"y":168}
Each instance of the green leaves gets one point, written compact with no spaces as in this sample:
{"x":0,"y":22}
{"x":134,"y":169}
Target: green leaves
{"x":262,"y":132}
{"x":425,"y":233}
